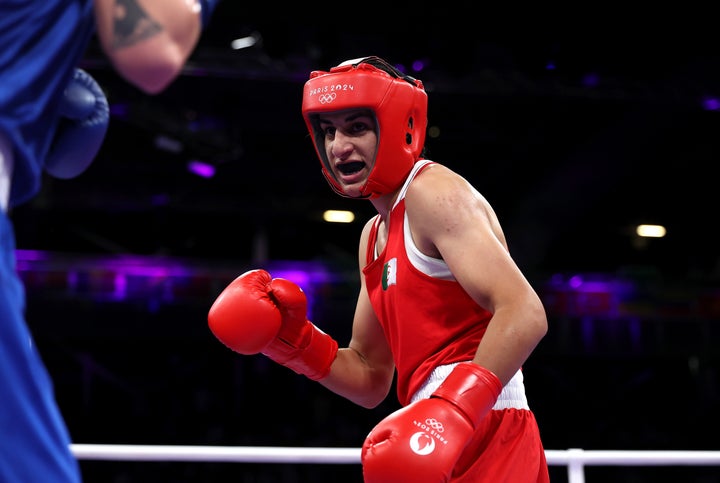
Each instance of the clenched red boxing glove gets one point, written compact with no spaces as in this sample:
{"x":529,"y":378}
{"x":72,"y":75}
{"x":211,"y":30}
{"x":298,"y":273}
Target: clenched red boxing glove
{"x":422,"y":442}
{"x":260,"y":314}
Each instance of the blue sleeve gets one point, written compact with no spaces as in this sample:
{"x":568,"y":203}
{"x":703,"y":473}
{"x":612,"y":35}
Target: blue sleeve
{"x":208,"y":7}
{"x":43,"y":41}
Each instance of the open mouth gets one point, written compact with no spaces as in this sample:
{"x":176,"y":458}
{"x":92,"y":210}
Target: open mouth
{"x":351,"y":167}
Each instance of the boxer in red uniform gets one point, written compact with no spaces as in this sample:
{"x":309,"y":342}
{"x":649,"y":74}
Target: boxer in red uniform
{"x":441,"y":300}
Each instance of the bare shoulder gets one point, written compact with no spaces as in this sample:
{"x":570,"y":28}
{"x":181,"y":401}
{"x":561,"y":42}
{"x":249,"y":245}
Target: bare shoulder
{"x":443,"y":205}
{"x":441,"y":191}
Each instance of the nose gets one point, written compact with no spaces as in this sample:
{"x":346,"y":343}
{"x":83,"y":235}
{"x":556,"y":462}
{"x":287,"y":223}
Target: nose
{"x":342,"y":145}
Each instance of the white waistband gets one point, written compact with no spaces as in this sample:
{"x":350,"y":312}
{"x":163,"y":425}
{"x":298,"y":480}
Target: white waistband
{"x":6,"y":166}
{"x":512,"y":395}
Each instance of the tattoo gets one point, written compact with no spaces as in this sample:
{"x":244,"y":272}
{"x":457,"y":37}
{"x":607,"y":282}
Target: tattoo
{"x":131,"y":24}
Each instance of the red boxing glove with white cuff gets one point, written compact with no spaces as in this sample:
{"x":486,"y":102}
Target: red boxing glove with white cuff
{"x":422,"y":442}
{"x":260,"y":314}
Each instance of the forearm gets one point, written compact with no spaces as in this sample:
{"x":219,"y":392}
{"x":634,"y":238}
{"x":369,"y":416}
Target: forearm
{"x":354,"y":379}
{"x":510,"y":339}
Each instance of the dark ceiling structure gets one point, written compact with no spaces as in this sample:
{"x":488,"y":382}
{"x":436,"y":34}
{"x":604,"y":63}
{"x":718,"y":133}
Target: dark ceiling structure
{"x":574,"y":137}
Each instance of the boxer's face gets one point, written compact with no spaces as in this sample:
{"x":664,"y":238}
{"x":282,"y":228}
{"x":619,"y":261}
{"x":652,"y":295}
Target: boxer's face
{"x":350,"y":146}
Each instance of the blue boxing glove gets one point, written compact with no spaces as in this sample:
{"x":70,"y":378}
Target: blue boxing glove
{"x":84,"y":120}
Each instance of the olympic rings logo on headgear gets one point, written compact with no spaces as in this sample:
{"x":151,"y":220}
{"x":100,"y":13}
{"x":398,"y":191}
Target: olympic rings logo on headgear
{"x":327,"y":98}
{"x":435,"y":424}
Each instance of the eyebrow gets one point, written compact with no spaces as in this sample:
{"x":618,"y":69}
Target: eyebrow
{"x":350,"y":117}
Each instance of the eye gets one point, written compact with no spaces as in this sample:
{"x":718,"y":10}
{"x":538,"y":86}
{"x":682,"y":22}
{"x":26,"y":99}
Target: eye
{"x":329,"y":131}
{"x":359,"y":127}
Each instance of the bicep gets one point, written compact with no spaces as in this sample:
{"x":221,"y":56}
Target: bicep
{"x":463,"y":229}
{"x":478,"y":257}
{"x":363,"y":371}
{"x":368,"y":338}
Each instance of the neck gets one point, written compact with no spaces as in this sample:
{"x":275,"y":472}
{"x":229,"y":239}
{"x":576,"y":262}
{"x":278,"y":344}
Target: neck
{"x":383,"y":204}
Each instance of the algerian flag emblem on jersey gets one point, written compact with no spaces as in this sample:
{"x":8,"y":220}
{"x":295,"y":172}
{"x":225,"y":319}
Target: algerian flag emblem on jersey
{"x":389,"y":275}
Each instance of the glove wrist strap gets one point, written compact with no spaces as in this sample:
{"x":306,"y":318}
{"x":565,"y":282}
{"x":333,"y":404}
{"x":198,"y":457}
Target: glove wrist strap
{"x":472,"y":388}
{"x":313,"y":360}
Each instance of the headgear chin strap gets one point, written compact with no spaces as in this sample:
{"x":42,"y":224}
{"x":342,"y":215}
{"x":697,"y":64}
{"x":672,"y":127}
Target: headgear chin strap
{"x":399,"y":103}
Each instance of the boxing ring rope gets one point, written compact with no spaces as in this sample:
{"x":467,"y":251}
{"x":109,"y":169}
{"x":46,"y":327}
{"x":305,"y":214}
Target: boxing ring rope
{"x":575,"y":459}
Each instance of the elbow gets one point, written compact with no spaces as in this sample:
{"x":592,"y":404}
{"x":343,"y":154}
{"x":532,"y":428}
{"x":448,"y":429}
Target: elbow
{"x":370,"y":402}
{"x":540,"y":324}
{"x":155,"y":78}
{"x":371,"y":396}
{"x":150,"y":74}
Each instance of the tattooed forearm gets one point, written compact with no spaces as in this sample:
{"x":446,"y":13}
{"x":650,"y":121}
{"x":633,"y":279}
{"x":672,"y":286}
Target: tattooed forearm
{"x":131,"y":24}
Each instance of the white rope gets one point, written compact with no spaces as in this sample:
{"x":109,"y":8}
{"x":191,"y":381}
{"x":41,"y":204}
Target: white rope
{"x":232,"y":454}
{"x":633,"y":458}
{"x":575,"y":459}
{"x":280,"y":454}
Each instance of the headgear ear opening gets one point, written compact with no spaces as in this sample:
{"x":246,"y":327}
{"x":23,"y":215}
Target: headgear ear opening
{"x":399,"y":103}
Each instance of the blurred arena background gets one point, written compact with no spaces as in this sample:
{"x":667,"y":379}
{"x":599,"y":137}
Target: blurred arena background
{"x":576,"y":131}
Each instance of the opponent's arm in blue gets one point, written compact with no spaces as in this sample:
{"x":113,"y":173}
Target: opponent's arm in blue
{"x":208,"y":7}
{"x":149,"y":42}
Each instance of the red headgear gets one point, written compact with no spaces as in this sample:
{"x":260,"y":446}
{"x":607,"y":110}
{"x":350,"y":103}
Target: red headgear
{"x":399,"y":103}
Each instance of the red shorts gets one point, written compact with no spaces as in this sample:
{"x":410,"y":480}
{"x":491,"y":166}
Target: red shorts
{"x":506,"y":449}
